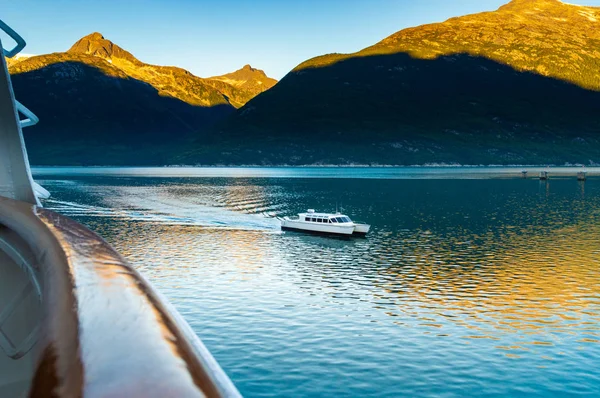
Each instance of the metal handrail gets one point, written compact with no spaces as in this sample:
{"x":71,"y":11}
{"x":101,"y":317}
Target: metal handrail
{"x":31,"y":120}
{"x":103,"y":320}
{"x":15,"y":174}
{"x":20,"y":42}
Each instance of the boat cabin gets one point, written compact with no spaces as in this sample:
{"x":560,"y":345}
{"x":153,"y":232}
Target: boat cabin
{"x":324,"y":218}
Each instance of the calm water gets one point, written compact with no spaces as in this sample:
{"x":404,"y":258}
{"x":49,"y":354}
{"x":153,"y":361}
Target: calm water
{"x":481,"y":286}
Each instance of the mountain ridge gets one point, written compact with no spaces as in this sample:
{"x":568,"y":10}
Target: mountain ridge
{"x":483,"y":88}
{"x":97,"y":103}
{"x":170,"y":81}
{"x":518,"y":85}
{"x":541,"y":18}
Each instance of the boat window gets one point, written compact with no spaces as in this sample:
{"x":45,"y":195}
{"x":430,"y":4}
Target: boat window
{"x":340,"y":219}
{"x":314,"y":220}
{"x":333,"y":220}
{"x":307,"y":219}
{"x":346,"y":219}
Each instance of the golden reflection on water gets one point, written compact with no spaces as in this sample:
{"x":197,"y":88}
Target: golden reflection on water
{"x":532,"y":281}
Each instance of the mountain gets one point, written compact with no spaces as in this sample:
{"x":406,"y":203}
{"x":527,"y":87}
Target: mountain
{"x":168,"y":80}
{"x":17,"y":58}
{"x":517,"y":85}
{"x":98,"y":104}
{"x":548,"y":37}
{"x":249,"y":80}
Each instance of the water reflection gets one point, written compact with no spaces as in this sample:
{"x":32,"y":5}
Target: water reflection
{"x":464,"y":287}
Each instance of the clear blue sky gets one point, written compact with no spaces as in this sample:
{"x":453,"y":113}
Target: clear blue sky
{"x":212,"y":37}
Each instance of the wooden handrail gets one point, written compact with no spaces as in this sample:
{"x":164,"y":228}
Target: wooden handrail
{"x":105,"y":331}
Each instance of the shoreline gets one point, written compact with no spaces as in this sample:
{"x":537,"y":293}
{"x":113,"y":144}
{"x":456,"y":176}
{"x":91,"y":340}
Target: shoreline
{"x":327,"y":166}
{"x":404,"y":172}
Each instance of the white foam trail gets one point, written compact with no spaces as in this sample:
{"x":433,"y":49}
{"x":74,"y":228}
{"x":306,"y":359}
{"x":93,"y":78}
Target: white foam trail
{"x":173,"y":212}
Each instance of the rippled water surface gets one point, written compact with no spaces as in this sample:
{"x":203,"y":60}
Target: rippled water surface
{"x":475,"y":287}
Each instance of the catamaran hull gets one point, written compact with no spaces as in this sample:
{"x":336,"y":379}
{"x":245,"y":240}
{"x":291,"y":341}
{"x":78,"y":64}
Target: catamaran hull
{"x":343,"y":230}
{"x":305,"y":231}
{"x":316,"y":228}
{"x":361,"y":229}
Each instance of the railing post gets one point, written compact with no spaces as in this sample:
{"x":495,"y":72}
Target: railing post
{"x":15,"y":175}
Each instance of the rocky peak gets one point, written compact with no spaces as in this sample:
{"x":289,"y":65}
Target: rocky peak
{"x":249,"y":70}
{"x":95,"y":44}
{"x":537,"y":6}
{"x":247,"y":74}
{"x":94,"y":36}
{"x":533,"y":2}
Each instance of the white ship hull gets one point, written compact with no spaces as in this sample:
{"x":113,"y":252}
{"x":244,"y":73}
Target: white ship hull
{"x":318,"y":228}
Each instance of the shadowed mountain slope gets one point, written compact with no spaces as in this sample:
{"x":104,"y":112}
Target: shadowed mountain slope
{"x":394,"y":109}
{"x":518,"y":85}
{"x":98,"y":104}
{"x":92,"y":113}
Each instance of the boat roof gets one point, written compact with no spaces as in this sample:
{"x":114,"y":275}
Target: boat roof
{"x":315,"y":214}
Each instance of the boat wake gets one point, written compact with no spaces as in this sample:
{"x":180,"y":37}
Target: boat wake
{"x":153,"y":211}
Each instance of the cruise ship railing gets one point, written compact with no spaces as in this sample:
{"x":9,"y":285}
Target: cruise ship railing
{"x":15,"y":176}
{"x":76,"y":320}
{"x":19,"y":41}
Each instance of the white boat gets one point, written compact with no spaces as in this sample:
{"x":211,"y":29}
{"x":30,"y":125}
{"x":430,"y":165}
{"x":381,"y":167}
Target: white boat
{"x":327,"y":223}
